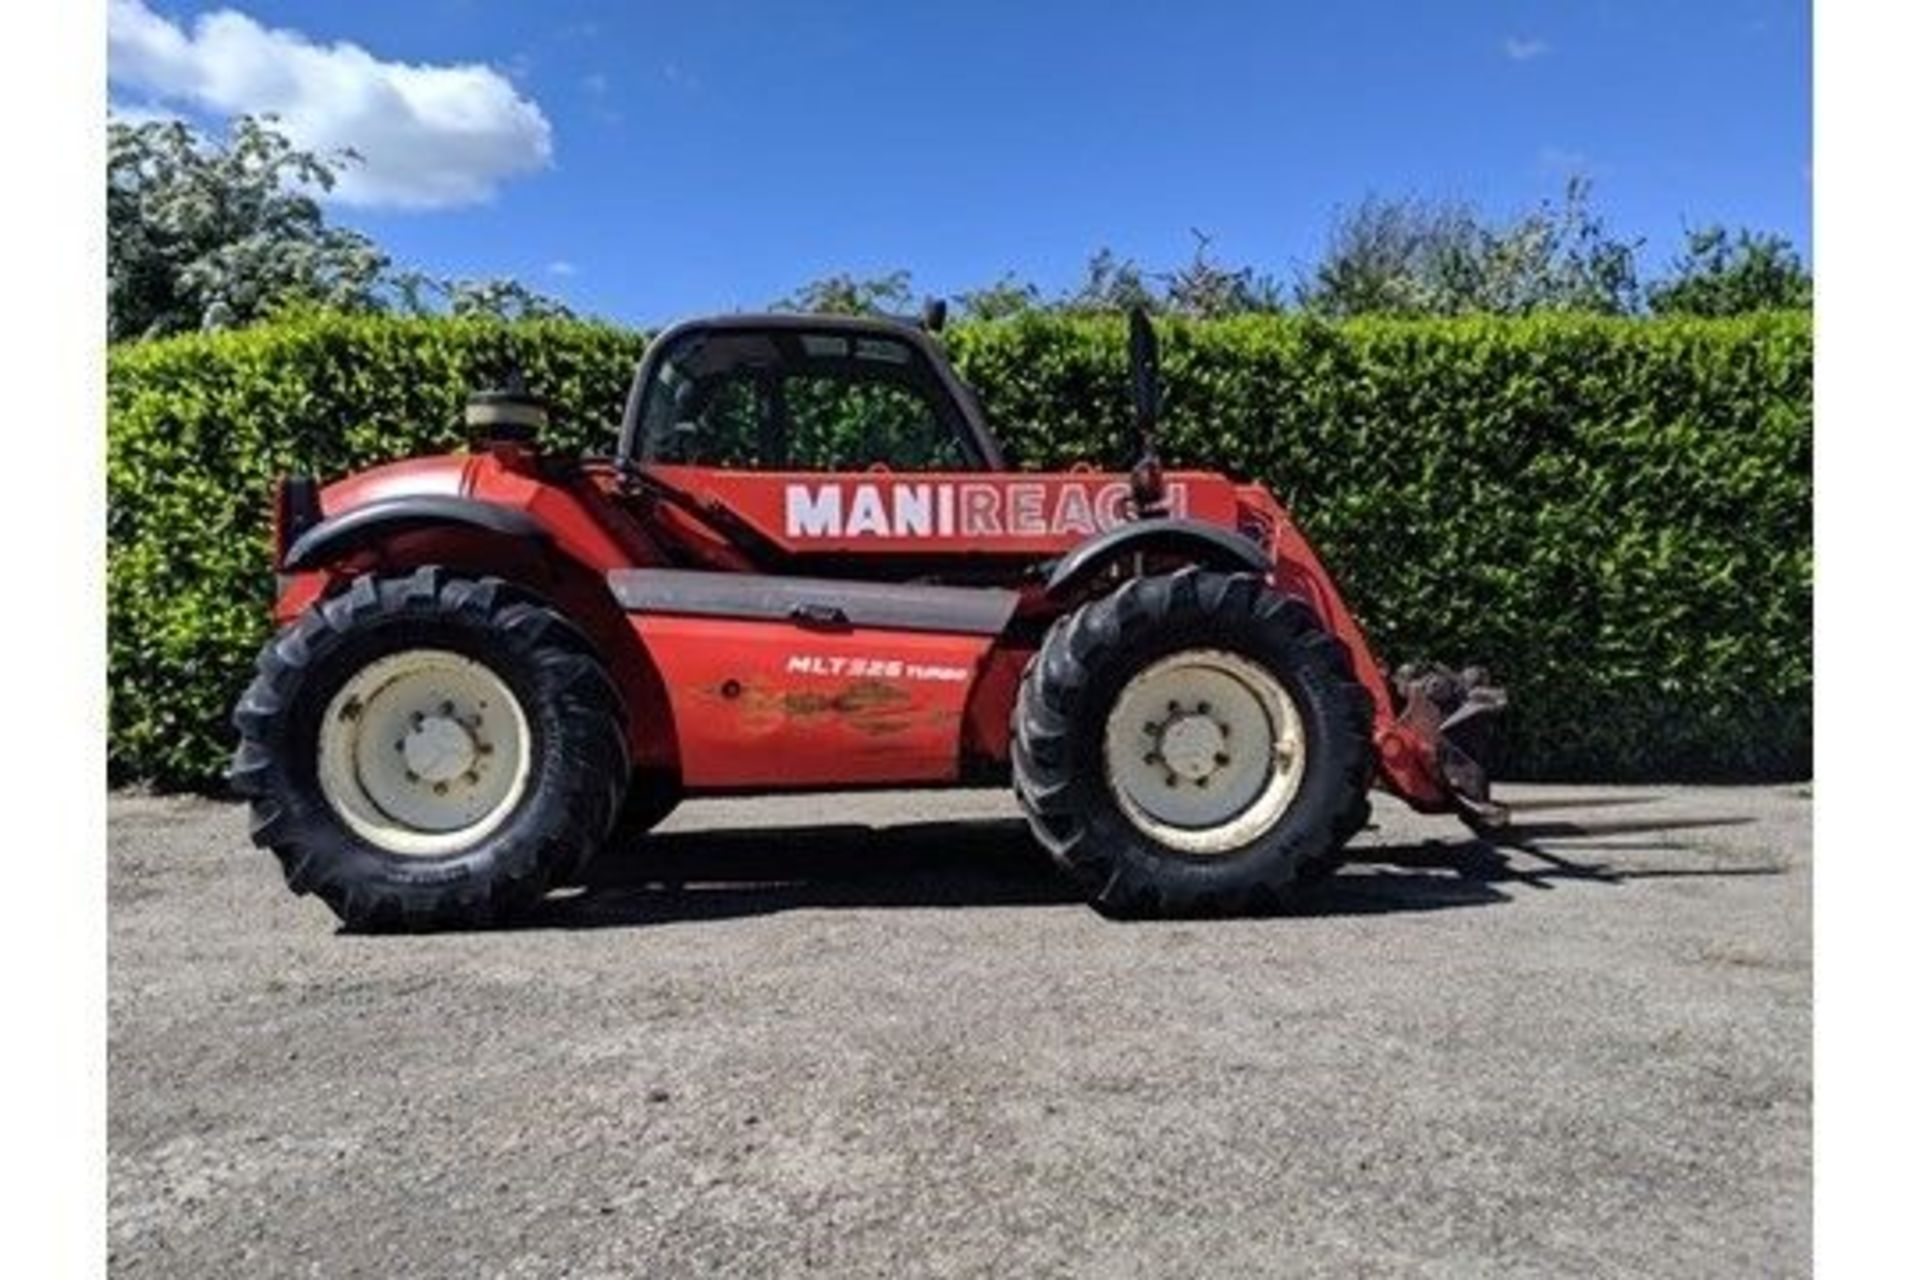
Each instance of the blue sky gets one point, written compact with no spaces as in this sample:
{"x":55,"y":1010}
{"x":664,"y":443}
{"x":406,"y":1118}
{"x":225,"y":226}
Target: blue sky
{"x":650,"y":160}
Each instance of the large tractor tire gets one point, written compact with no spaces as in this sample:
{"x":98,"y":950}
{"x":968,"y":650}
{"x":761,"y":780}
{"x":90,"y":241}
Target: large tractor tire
{"x":652,"y":796}
{"x":429,"y":751}
{"x":1192,"y":744}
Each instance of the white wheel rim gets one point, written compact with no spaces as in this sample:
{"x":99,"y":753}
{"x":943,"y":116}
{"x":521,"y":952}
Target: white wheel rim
{"x":423,"y":752}
{"x":1204,"y":751}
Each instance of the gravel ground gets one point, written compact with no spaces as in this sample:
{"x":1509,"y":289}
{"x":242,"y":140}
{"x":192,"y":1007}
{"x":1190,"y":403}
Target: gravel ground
{"x":870,"y":1035}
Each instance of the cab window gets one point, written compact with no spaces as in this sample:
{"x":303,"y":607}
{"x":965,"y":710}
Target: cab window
{"x":799,"y":400}
{"x":847,"y":424}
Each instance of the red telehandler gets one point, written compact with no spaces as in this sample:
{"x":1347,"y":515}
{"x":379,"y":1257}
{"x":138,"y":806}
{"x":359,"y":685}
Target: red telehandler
{"x":807,"y":566}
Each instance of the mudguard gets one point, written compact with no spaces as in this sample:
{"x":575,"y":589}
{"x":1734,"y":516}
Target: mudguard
{"x":373,"y":520}
{"x":1203,"y":543}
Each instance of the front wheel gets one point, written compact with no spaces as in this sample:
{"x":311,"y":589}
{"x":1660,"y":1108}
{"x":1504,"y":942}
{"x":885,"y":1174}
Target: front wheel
{"x":1192,"y":744}
{"x":429,"y":750}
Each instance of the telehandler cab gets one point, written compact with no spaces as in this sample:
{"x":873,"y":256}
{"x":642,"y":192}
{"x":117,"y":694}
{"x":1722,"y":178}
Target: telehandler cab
{"x":808,"y":566}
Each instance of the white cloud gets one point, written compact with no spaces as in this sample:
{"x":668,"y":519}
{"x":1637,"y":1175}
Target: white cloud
{"x":561,"y":267}
{"x":1525,"y":49}
{"x":428,"y":136}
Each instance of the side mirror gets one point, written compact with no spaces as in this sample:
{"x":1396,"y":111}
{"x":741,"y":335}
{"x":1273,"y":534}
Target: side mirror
{"x":933,"y":316}
{"x":1143,"y":359}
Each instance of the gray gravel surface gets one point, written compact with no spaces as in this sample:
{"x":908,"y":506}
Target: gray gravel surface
{"x":871,"y":1035}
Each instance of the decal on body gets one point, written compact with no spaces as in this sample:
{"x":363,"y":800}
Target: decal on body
{"x":964,"y":509}
{"x":811,"y":664}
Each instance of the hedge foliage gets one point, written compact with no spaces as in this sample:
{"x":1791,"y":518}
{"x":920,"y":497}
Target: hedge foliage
{"x":1615,"y":515}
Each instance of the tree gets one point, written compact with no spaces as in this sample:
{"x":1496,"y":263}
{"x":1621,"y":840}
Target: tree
{"x":1721,"y":274}
{"x":849,"y":295}
{"x":1207,"y":290}
{"x":1408,"y":256}
{"x":209,"y":233}
{"x":499,"y":297}
{"x":1560,"y":258}
{"x":1112,"y":284}
{"x":504,"y":299}
{"x":213,"y":233}
{"x":1007,"y":296}
{"x":1399,"y":256}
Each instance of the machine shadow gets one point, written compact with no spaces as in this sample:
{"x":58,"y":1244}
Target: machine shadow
{"x":717,"y":875}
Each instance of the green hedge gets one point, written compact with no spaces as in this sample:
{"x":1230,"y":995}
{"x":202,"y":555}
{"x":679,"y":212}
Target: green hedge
{"x":1614,"y":514}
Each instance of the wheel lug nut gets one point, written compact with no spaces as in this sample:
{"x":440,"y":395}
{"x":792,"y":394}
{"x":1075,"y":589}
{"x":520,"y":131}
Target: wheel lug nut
{"x":1204,"y":707}
{"x":1173,"y":707}
{"x":1152,"y":757}
{"x":1151,"y":727}
{"x":446,"y":708}
{"x":400,"y":745}
{"x":484,"y":748}
{"x":1221,"y":758}
{"x":412,"y":776}
{"x":439,"y":788}
{"x":473,"y":775}
{"x":1200,"y":781}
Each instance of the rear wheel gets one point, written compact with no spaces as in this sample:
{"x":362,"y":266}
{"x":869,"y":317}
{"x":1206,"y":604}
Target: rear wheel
{"x":429,"y":750}
{"x":1192,"y":744}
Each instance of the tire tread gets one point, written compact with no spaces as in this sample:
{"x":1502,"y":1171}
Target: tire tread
{"x":1067,"y":810}
{"x":289,"y":819}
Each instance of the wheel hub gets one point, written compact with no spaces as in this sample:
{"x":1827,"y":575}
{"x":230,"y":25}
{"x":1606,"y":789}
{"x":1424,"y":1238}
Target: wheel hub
{"x":424,"y":751}
{"x":1193,"y":745}
{"x":439,"y":749}
{"x":1204,"y":750}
